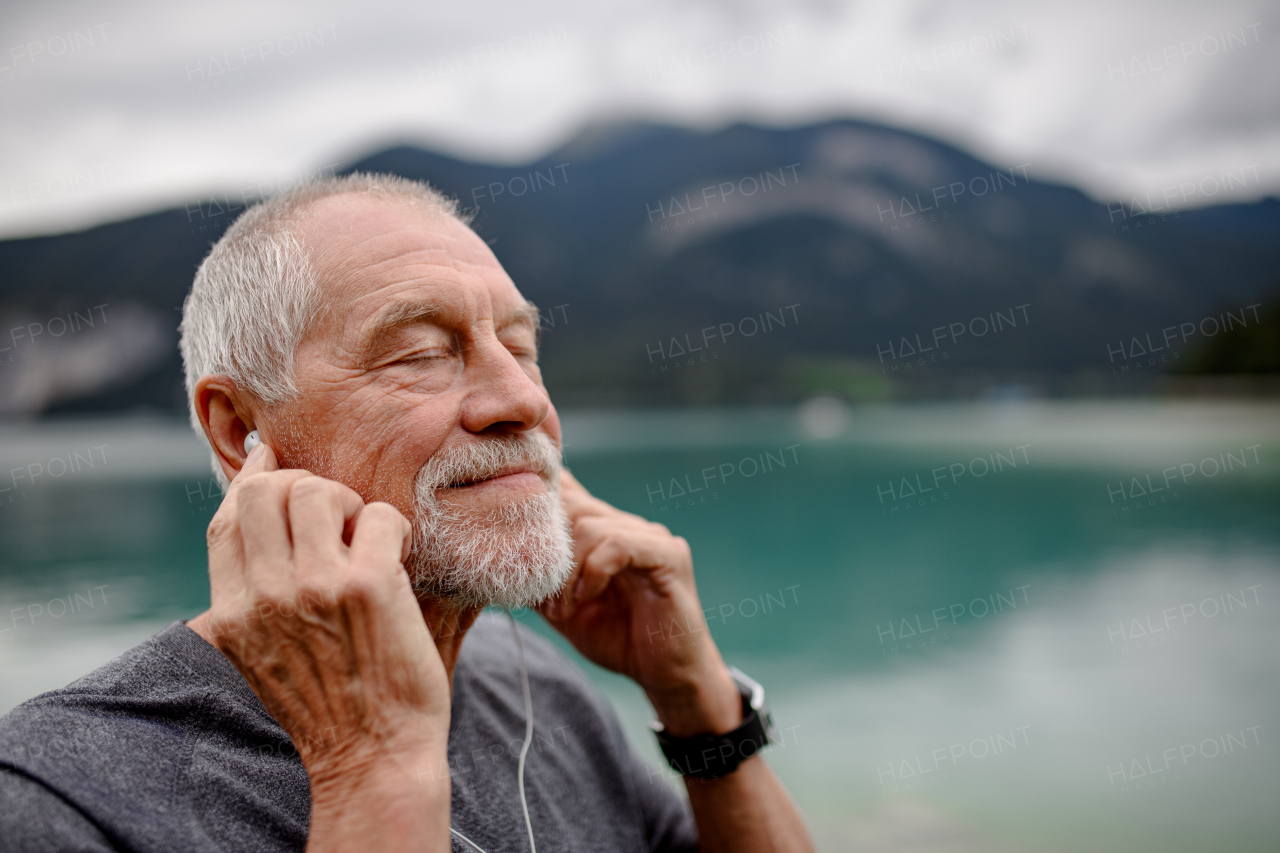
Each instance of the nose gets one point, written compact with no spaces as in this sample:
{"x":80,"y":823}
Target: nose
{"x":504,"y":398}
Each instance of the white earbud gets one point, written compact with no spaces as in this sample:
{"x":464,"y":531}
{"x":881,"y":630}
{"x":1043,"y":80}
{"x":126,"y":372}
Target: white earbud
{"x":251,"y":441}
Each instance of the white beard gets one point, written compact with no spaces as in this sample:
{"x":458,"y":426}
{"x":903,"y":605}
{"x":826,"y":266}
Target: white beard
{"x":513,"y":556}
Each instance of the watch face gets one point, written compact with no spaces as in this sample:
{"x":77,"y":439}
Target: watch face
{"x":750,"y":688}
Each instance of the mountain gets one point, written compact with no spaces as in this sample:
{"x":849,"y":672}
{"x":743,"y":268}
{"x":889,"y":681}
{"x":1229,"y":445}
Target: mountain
{"x":745,"y":265}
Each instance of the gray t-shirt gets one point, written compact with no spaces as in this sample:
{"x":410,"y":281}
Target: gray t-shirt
{"x":167,"y":749}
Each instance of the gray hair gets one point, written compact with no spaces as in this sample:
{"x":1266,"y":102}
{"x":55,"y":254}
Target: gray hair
{"x":256,"y":293}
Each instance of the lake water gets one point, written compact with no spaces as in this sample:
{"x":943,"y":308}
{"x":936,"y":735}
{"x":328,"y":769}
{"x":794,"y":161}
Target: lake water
{"x":1007,"y":626}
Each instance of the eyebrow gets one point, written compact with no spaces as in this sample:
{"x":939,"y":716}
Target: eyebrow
{"x":399,"y":314}
{"x":526,"y":313}
{"x":394,"y":316}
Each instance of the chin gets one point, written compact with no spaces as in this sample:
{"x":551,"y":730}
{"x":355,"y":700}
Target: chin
{"x":514,"y":554}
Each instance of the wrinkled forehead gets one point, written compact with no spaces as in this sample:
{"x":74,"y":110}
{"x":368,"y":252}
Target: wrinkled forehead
{"x":368,"y":251}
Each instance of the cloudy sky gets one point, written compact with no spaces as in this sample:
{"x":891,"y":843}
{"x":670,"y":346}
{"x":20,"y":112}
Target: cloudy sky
{"x":115,"y":109}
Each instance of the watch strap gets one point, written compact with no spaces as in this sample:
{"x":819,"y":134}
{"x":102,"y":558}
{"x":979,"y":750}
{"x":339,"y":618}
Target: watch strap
{"x":709,"y":756}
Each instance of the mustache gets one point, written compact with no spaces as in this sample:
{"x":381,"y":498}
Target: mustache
{"x":486,"y":458}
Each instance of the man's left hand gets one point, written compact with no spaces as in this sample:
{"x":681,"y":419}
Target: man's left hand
{"x":631,"y":606}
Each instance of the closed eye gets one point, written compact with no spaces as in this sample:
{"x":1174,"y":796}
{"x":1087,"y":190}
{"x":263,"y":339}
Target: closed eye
{"x":522,"y":346}
{"x":424,"y":356}
{"x":530,"y":353}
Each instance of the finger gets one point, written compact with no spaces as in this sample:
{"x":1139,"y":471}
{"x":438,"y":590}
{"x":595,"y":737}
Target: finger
{"x":262,"y":513}
{"x":555,"y":607}
{"x":589,"y":531}
{"x":382,"y":536}
{"x":406,"y":547}
{"x":260,"y":460}
{"x":318,"y":514}
{"x":226,"y":552}
{"x":550,"y":609}
{"x":584,"y":505}
{"x":578,"y":502}
{"x":601,"y":565}
{"x":588,"y":534}
{"x":376,"y":547}
{"x":595,"y":572}
{"x":226,"y":547}
{"x":617,"y":553}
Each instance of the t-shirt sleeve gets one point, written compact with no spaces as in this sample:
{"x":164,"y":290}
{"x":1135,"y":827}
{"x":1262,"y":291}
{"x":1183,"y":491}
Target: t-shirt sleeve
{"x":36,"y":820}
{"x":668,"y":820}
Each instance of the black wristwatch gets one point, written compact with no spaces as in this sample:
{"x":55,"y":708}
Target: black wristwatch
{"x":713,"y":756}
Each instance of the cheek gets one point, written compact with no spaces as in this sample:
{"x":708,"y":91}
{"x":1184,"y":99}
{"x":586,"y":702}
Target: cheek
{"x":378,"y":446}
{"x":404,"y":444}
{"x":423,"y":377}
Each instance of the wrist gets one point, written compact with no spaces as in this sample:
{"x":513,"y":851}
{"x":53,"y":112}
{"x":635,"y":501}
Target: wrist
{"x":403,"y":764}
{"x":707,"y":703}
{"x":380,"y":801}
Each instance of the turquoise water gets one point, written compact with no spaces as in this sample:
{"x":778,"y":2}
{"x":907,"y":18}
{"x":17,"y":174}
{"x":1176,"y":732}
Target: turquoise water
{"x":982,"y":627}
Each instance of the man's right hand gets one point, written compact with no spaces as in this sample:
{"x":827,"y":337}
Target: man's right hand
{"x":310,"y":601}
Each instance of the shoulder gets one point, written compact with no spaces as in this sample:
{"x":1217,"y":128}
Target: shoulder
{"x":149,"y":695}
{"x":133,"y":744}
{"x":145,"y":677}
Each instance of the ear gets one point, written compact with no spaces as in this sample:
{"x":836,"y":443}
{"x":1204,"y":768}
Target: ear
{"x":227,"y":415}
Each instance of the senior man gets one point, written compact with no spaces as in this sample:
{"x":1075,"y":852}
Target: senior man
{"x":366,"y":376}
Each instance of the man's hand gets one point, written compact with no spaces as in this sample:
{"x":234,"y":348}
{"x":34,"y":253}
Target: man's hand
{"x":632,"y":591}
{"x":311,"y":603}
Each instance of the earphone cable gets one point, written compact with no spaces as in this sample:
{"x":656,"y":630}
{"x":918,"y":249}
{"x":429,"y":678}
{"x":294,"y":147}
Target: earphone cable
{"x":528,"y":730}
{"x":524,"y":749}
{"x":468,"y":840}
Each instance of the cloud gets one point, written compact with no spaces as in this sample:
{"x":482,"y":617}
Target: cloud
{"x":129,"y":106}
